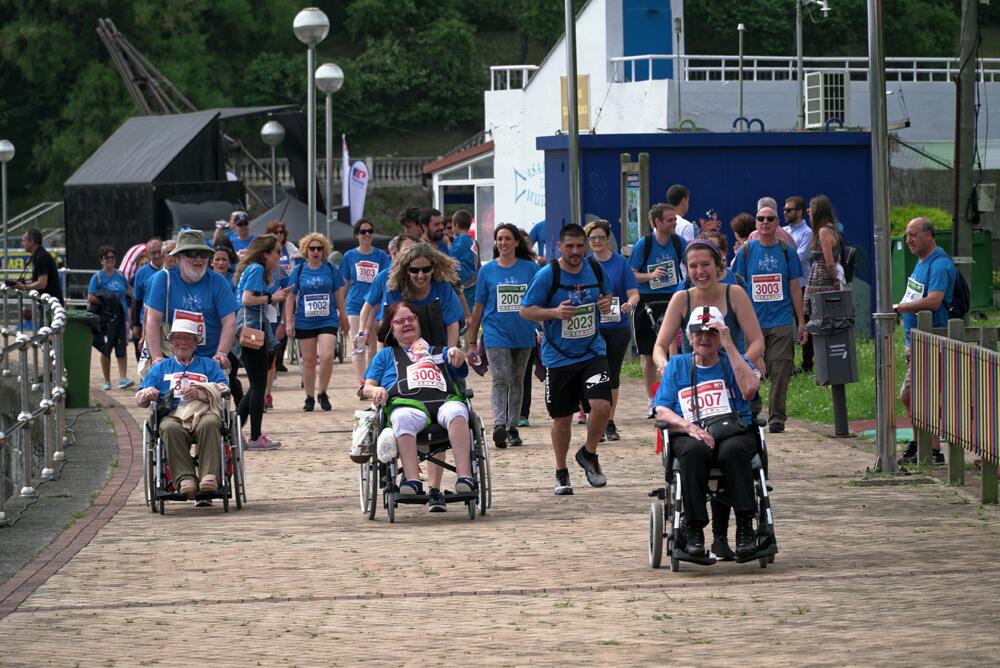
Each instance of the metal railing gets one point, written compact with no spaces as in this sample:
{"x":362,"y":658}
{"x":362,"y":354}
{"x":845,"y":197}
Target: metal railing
{"x":511,"y":77}
{"x":37,"y":372}
{"x":383,"y":172}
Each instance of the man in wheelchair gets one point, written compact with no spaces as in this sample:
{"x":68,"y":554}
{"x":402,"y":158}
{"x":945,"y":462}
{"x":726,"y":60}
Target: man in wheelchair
{"x":415,"y":383}
{"x":704,"y":399}
{"x":195,"y":388}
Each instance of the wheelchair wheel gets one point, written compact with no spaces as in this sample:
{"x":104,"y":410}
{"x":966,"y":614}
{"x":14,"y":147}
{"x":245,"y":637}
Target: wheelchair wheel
{"x":390,"y":507}
{"x":148,"y":480}
{"x":472,"y":507}
{"x":483,"y":469}
{"x":341,"y":344}
{"x":368,"y":488}
{"x":655,"y":534}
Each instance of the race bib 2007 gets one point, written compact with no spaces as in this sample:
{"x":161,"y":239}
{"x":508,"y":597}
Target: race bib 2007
{"x":317,"y":306}
{"x":615,"y":314}
{"x":667,"y":281}
{"x":713,"y":399}
{"x":509,"y":297}
{"x":366,"y":271}
{"x":197,"y":318}
{"x":425,"y":374}
{"x":767,"y":288}
{"x":583,"y":324}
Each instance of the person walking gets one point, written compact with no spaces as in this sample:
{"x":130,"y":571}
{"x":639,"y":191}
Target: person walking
{"x":315,"y":315}
{"x":223,"y":260}
{"x":108,"y":292}
{"x":508,"y":337}
{"x":44,"y":270}
{"x":239,"y":232}
{"x":359,"y":268}
{"x":799,"y":230}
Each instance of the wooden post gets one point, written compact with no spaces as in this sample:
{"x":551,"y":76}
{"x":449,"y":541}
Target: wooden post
{"x":956,"y":455}
{"x":988,"y":493}
{"x":924,"y":439}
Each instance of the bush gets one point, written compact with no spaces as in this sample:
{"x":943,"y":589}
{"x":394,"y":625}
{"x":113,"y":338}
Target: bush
{"x":899,"y":216}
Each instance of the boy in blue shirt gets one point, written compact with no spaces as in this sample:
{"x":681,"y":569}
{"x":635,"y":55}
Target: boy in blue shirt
{"x":464,"y":249}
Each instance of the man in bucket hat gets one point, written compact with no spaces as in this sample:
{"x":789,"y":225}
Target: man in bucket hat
{"x":191,"y":292}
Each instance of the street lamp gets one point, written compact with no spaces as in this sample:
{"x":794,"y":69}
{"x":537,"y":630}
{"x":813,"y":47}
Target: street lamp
{"x":824,"y":6}
{"x":272,"y":134}
{"x":6,"y":154}
{"x":329,"y":79}
{"x":311,"y":26}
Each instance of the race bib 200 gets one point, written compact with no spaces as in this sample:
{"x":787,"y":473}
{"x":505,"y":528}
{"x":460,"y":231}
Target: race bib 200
{"x":583,"y":324}
{"x":767,"y":288}
{"x":713,"y":399}
{"x":509,"y":297}
{"x":615,"y":314}
{"x":667,"y":281}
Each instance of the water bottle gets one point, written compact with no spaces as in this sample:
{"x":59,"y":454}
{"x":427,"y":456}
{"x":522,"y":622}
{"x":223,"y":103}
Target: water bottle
{"x":359,"y":343}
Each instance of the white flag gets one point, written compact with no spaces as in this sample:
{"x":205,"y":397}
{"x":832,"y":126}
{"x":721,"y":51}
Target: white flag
{"x":358,"y":188}
{"x":345,"y":169}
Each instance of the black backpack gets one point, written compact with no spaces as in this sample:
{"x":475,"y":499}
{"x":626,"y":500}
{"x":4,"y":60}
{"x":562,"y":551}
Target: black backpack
{"x":595,"y":266}
{"x":961,"y":298}
{"x":647,"y":249}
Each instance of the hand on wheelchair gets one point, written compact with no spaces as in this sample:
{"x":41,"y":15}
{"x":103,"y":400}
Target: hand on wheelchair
{"x":379,"y":395}
{"x":146,"y":396}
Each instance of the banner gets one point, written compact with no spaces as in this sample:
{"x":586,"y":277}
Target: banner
{"x":345,"y":169}
{"x":358,"y":188}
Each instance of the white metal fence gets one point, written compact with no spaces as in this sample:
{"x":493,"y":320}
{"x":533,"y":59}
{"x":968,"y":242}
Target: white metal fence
{"x":383,"y":171}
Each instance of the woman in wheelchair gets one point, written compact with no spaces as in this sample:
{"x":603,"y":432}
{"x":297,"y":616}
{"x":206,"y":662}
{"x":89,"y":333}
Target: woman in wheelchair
{"x":416,"y":385}
{"x":194,"y":382}
{"x":704,"y":400}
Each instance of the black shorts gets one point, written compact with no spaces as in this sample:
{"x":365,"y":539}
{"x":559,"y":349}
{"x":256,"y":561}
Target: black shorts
{"x":568,"y":387}
{"x":645,"y":328}
{"x":616,"y":340}
{"x":313,"y":333}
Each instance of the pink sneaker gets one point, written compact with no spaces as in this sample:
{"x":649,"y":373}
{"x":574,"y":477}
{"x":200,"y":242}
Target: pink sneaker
{"x":581,"y":418}
{"x":268,"y":402}
{"x":262,"y":443}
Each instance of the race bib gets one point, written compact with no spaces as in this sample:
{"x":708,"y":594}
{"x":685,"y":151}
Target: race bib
{"x":615,"y":314}
{"x":425,"y":374}
{"x":197,"y":318}
{"x":317,"y":306}
{"x":668,"y":280}
{"x":271,"y":313}
{"x":509,"y":297}
{"x":768,"y":288}
{"x":914,"y":291}
{"x":365,"y":271}
{"x":180,"y":381}
{"x":713,"y":399}
{"x":582,"y":325}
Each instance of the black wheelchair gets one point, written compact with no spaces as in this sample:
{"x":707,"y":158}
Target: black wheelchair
{"x":670,"y":504}
{"x":158,"y":485}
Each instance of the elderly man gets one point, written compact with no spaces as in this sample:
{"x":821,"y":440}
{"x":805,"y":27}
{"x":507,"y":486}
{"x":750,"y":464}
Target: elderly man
{"x":191,"y":292}
{"x":772,"y":270}
{"x":196,"y":385}
{"x":239,"y":232}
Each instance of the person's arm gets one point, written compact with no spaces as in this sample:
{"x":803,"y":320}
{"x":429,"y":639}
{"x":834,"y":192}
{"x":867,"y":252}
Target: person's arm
{"x":800,"y":317}
{"x":826,"y":239}
{"x":225,"y":340}
{"x":453,"y":334}
{"x":668,"y":330}
{"x":746,"y":377}
{"x":146,"y":396}
{"x":676,"y":423}
{"x":931,"y":302}
{"x":339,"y":295}
{"x":749,"y":325}
{"x":472,"y":333}
{"x":151,"y":334}
{"x":564,"y":311}
{"x":289,"y":308}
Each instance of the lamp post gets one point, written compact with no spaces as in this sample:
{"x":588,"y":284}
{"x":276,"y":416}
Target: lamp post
{"x":824,"y":6}
{"x":329,"y":79}
{"x":311,"y":27}
{"x":272,"y":134}
{"x":6,"y":154}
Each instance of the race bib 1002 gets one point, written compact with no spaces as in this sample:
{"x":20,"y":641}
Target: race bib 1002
{"x":317,"y":306}
{"x":713,"y":399}
{"x":670,"y":279}
{"x":366,"y":271}
{"x":615,"y":314}
{"x":583,"y":324}
{"x":425,"y":374}
{"x":768,"y":288}
{"x":509,"y":297}
{"x":197,"y":318}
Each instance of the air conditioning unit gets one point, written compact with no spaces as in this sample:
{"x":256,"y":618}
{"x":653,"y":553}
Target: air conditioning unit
{"x":825,"y":98}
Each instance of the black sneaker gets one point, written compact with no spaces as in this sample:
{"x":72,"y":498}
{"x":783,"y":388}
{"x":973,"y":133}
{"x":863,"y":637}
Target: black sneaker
{"x":281,"y":368}
{"x":513,"y":438}
{"x":745,"y":539}
{"x":500,"y":436}
{"x":611,"y":432}
{"x":910,"y":454}
{"x":937,"y":457}
{"x":324,"y":401}
{"x":721,"y":549}
{"x":695,"y":541}
{"x":563,"y":488}
{"x":776,"y":427}
{"x":588,"y":462}
{"x":436,"y":502}
{"x":309,"y":405}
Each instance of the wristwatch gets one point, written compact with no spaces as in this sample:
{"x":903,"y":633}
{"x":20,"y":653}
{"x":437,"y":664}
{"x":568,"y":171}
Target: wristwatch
{"x":268,"y":297}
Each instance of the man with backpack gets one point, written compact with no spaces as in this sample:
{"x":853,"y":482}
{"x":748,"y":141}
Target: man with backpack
{"x":656,"y":261}
{"x":936,"y":286}
{"x":772,"y":271}
{"x":568,"y":296}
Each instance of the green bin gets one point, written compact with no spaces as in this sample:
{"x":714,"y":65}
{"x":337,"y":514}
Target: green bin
{"x":76,"y":355}
{"x":981,"y":285}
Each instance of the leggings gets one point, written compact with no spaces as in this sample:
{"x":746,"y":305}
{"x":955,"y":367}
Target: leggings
{"x":256,"y":362}
{"x":507,"y":367}
{"x":529,"y":372}
{"x":235,"y":386}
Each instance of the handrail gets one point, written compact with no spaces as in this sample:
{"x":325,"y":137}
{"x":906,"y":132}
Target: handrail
{"x":501,"y":79}
{"x":40,"y":366}
{"x":34,"y":213}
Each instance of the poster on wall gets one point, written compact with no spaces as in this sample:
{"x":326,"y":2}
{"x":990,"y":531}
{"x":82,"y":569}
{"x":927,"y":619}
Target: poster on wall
{"x":632,"y":192}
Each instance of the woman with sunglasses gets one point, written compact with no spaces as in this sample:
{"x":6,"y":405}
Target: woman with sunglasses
{"x":259,"y":288}
{"x":359,"y":268}
{"x":239,"y":232}
{"x":422,"y":275}
{"x":315,"y":314}
{"x":509,"y":338}
{"x":108,"y":293}
{"x":615,"y":326}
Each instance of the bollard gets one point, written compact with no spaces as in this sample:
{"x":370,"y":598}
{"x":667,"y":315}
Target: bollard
{"x":60,"y":370}
{"x":840,"y":425}
{"x":48,"y":472}
{"x":24,"y":417}
{"x":5,"y":367}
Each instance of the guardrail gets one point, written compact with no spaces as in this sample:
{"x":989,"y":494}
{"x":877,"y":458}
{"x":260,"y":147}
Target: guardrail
{"x":956,"y":395}
{"x":511,"y":77}
{"x":39,"y":369}
{"x":383,"y":172}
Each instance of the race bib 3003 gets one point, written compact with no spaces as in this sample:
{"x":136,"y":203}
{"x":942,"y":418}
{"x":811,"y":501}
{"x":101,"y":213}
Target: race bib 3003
{"x":768,"y":288}
{"x":667,"y":281}
{"x":583,"y":324}
{"x":615,"y":314}
{"x":317,"y":306}
{"x":509,"y":297}
{"x":197,"y":318}
{"x":366,"y":271}
{"x":425,"y":374}
{"x":713,"y":399}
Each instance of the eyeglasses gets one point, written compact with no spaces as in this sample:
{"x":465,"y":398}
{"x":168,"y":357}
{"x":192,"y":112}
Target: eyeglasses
{"x":315,"y":249}
{"x":110,"y":257}
{"x":285,"y":232}
{"x":404,"y":321}
{"x":788,"y":209}
{"x":598,"y":238}
{"x":193,"y":254}
{"x":770,"y":219}
{"x":420,"y":270}
{"x":366,"y":231}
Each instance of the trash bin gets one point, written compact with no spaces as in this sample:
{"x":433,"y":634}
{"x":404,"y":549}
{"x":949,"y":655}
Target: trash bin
{"x":832,"y":329}
{"x":76,"y":355}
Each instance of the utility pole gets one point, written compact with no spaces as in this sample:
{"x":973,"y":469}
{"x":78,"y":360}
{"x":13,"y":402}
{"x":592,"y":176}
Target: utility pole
{"x":572,"y":110}
{"x":963,"y":208}
{"x":800,"y":116}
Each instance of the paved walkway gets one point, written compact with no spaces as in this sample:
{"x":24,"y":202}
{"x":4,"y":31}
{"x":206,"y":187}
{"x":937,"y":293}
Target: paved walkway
{"x":901,"y":575}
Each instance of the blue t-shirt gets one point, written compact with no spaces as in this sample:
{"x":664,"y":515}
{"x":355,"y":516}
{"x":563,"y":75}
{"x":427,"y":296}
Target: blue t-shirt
{"x":461,"y":250}
{"x":115,"y":283}
{"x":140,"y":285}
{"x":677,"y":379}
{"x":206,"y":302}
{"x":252,"y":280}
{"x":622,"y":279}
{"x":500,"y":290}
{"x":537,"y":236}
{"x":361,"y":270}
{"x":665,"y":256}
{"x":240,"y":245}
{"x":729,"y":278}
{"x":451,"y":307}
{"x":166,"y":374}
{"x":376,"y":293}
{"x":575,"y":340}
{"x":935,"y":273}
{"x":382,"y":368}
{"x":314,"y":289}
{"x":771,"y":272}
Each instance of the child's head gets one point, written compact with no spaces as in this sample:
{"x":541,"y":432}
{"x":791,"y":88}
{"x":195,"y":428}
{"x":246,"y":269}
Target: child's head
{"x":462,"y":221}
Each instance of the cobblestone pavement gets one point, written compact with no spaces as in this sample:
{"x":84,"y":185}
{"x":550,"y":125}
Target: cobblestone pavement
{"x":876,"y":575}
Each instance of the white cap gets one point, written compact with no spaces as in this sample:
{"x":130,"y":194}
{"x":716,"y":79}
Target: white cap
{"x":184,"y":326}
{"x":701,"y":317}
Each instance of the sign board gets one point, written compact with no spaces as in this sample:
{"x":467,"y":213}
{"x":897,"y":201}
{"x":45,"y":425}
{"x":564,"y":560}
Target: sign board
{"x":17,"y":260}
{"x":634,"y":199}
{"x":582,"y":103}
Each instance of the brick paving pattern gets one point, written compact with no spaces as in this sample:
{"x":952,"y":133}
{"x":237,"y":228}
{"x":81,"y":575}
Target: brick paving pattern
{"x":901,"y":575}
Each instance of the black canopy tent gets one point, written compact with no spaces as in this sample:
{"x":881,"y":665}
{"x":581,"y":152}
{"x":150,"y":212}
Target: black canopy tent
{"x":294,"y":214}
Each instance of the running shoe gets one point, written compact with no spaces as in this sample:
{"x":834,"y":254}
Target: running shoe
{"x":125,"y":383}
{"x":499,"y":436}
{"x":910,"y":454}
{"x":324,"y":401}
{"x":268,"y":402}
{"x":563,"y":488}
{"x":465,"y":485}
{"x":611,"y":432}
{"x":523,"y":422}
{"x":262,"y":443}
{"x":651,"y":413}
{"x":513,"y":438}
{"x":309,"y":405}
{"x":721,"y":549}
{"x":581,"y":418}
{"x":591,"y":467}
{"x":937,"y":457}
{"x":436,"y":502}
{"x":105,"y":386}
{"x":776,"y":427}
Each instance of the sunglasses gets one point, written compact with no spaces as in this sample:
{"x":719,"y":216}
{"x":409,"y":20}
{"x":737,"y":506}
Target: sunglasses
{"x":317,"y":249}
{"x":420,"y":270}
{"x":110,"y":257}
{"x":243,"y":223}
{"x":193,"y":254}
{"x":598,"y":238}
{"x":788,"y":209}
{"x":403,"y":321}
{"x":770,"y":219}
{"x":366,"y":231}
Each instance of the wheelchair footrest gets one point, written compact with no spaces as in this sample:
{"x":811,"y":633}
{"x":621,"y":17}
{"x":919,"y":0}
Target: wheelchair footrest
{"x":450,"y":497}
{"x":200,"y":496}
{"x":766,"y":549}
{"x":681,"y":555}
{"x":660,"y":493}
